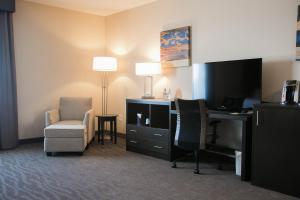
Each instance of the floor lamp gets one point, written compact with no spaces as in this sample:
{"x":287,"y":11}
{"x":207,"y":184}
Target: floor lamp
{"x":104,"y":65}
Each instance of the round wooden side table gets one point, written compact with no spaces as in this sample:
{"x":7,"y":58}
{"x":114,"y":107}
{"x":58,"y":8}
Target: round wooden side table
{"x":112,"y":119}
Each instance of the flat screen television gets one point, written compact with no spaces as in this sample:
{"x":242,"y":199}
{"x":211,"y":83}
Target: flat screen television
{"x":232,"y":85}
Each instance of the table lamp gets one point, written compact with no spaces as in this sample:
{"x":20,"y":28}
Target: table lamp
{"x":148,"y":70}
{"x":104,"y":65}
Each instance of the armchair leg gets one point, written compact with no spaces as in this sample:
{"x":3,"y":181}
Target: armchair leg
{"x":49,"y":154}
{"x":196,"y":152}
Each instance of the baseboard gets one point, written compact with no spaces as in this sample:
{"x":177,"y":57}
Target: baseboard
{"x":41,"y":139}
{"x":122,"y":135}
{"x":31,"y":140}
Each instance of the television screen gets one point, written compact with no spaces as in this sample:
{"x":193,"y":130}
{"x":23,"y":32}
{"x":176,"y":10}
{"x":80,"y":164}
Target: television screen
{"x":231,"y":85}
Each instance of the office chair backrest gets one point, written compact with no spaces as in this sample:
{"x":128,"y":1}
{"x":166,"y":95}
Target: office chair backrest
{"x":191,"y":124}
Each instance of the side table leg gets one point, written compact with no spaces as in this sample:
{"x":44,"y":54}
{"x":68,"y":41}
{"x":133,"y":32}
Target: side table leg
{"x":111,"y":130}
{"x":115,"y":130}
{"x":102,"y":132}
{"x":99,"y":130}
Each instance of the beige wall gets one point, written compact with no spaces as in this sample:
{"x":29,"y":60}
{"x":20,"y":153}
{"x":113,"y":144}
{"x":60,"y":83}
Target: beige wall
{"x":54,"y":49}
{"x":221,"y":30}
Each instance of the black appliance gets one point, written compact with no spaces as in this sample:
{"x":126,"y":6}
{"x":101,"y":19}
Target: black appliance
{"x":290,"y":92}
{"x":233,"y":85}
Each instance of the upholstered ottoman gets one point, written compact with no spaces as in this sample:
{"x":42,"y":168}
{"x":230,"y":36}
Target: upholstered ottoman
{"x":65,"y":136}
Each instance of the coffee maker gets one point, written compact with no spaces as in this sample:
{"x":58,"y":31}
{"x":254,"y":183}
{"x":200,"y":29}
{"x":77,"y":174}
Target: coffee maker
{"x":290,"y":92}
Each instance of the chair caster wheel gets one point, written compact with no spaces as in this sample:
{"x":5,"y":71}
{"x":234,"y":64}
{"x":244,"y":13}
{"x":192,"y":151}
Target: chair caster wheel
{"x":220,"y":167}
{"x":174,"y":165}
{"x":196,"y":171}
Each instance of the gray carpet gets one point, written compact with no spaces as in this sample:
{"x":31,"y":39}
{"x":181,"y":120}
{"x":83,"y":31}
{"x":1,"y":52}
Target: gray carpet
{"x":109,"y":172}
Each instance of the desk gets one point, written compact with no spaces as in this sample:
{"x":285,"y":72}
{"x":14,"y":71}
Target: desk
{"x":246,"y":137}
{"x":157,"y":138}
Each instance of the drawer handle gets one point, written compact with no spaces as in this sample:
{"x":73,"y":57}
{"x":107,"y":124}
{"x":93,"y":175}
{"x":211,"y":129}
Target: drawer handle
{"x":132,"y":141}
{"x":156,"y":134}
{"x":132,"y":131}
{"x":158,"y":147}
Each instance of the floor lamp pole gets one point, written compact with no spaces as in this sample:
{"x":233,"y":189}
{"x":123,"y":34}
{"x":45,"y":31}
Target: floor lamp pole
{"x":104,"y":93}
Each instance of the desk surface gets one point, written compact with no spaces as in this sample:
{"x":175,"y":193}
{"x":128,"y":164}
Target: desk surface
{"x":225,"y":115}
{"x":211,"y":113}
{"x":229,"y":115}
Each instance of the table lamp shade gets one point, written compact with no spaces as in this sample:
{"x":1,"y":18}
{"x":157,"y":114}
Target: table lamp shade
{"x":147,"y":69}
{"x":105,"y":64}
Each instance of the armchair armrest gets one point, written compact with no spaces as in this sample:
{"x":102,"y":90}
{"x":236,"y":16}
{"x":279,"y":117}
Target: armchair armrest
{"x":51,"y":117}
{"x":88,"y":121}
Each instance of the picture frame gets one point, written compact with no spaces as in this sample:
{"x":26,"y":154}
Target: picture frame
{"x":175,"y":47}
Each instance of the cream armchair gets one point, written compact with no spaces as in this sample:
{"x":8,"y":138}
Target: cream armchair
{"x":71,"y":127}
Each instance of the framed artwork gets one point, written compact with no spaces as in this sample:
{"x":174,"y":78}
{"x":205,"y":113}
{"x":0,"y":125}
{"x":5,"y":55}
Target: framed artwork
{"x":175,"y":47}
{"x":298,"y":36}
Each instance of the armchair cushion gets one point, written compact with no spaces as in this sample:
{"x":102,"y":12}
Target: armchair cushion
{"x":74,"y":108}
{"x":65,"y":129}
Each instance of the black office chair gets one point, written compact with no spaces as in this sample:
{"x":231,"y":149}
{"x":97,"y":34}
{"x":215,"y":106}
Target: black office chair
{"x":191,"y":127}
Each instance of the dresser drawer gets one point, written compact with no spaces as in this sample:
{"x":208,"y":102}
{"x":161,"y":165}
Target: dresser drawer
{"x":156,"y":134}
{"x":147,"y":140}
{"x":156,"y":146}
{"x":132,"y":140}
{"x":133,"y":131}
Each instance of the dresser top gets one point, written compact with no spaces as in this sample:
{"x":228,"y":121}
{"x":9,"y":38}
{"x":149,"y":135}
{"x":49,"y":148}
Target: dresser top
{"x":150,"y":101}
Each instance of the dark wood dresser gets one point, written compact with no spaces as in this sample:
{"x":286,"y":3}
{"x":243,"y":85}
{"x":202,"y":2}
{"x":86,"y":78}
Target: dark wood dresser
{"x":152,"y":133}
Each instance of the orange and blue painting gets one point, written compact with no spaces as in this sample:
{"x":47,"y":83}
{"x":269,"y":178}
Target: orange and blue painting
{"x":175,"y":47}
{"x":298,"y":36}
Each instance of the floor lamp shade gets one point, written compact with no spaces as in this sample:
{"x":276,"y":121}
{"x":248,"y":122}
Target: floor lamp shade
{"x":105,"y":64}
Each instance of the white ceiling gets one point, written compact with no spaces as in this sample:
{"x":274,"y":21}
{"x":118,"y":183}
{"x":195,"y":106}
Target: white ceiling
{"x":98,"y":7}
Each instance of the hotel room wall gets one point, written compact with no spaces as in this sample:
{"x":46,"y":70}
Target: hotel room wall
{"x":221,"y":30}
{"x":54,"y":48}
